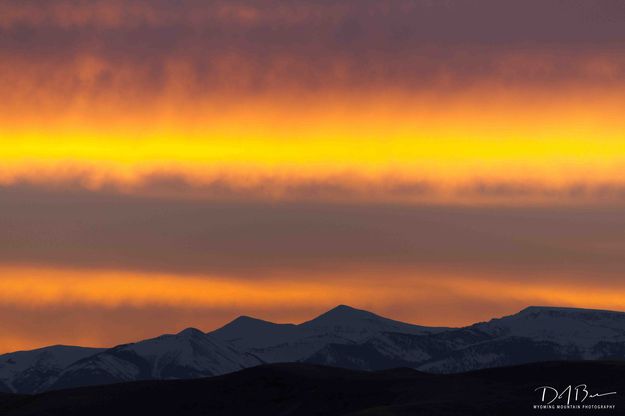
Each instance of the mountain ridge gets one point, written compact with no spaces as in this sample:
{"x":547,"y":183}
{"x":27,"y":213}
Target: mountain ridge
{"x":304,"y":389}
{"x":343,"y":336}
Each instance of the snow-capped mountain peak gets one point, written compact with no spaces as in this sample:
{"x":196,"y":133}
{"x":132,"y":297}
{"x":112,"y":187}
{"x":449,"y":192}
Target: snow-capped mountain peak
{"x":583,"y":327}
{"x":360,"y":323}
{"x":342,"y":314}
{"x":245,"y":332}
{"x":31,"y":371}
{"x":342,"y":325}
{"x":187,"y":354}
{"x":191,"y":332}
{"x":571,"y":312}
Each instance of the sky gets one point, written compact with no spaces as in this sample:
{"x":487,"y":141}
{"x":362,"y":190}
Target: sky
{"x":166,"y":164}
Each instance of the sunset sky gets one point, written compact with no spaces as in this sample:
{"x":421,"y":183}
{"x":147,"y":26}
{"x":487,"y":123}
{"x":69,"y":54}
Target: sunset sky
{"x":166,"y":164}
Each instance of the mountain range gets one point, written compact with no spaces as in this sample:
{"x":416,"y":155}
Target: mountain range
{"x":342,"y":337}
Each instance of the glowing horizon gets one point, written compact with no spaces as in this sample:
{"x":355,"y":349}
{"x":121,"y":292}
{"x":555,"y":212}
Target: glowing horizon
{"x":34,"y":289}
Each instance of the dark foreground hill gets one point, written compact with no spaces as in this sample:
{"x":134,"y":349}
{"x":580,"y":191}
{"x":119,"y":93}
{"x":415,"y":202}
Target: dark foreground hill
{"x":301,"y":389}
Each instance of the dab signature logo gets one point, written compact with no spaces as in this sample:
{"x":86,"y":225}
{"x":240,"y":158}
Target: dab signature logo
{"x":571,"y":397}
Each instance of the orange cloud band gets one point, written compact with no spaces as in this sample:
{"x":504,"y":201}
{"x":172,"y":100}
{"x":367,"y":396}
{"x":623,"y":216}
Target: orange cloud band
{"x":41,"y":288}
{"x":381,"y":143}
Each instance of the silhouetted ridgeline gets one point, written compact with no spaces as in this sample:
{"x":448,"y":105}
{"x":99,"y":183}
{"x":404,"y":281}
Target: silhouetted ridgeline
{"x":303,"y":389}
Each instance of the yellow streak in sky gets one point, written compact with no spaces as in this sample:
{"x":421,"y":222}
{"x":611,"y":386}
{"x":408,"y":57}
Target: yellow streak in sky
{"x":549,"y":143}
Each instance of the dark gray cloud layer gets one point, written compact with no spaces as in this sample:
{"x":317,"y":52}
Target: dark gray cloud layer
{"x":256,"y":239}
{"x":484,"y":21}
{"x":263,"y":45}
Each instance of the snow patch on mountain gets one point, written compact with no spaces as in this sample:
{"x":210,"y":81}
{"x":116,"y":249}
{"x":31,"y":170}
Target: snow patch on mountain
{"x":188,"y":354}
{"x":287,"y":342}
{"x":566,"y":326}
{"x":31,"y":371}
